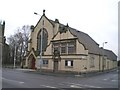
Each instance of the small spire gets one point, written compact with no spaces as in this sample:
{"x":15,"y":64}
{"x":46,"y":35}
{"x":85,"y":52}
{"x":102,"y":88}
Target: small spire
{"x":56,"y":20}
{"x":32,"y":28}
{"x":67,"y":25}
{"x":43,"y":11}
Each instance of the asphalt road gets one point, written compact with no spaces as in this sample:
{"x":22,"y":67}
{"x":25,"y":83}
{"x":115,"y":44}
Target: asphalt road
{"x":12,"y":78}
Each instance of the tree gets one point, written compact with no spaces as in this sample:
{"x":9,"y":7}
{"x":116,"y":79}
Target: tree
{"x":11,"y":42}
{"x":19,"y":43}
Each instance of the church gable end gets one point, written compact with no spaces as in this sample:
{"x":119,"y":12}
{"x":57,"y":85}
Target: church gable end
{"x":47,"y":26}
{"x":64,"y":33}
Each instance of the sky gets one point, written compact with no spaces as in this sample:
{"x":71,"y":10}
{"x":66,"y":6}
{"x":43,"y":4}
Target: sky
{"x":97,"y":18}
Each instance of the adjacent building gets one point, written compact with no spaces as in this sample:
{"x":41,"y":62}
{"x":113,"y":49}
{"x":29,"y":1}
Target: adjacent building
{"x":2,"y":26}
{"x":65,"y":49}
{"x":4,"y":48}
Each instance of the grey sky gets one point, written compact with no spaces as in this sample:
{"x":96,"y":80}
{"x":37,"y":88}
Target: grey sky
{"x":98,"y":18}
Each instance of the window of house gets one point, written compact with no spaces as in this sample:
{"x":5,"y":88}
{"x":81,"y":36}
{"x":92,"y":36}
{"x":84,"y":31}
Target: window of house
{"x":45,"y":62}
{"x":56,"y":46}
{"x":71,"y":47}
{"x":69,"y":63}
{"x":63,"y":48}
{"x":43,"y":32}
{"x":92,"y":61}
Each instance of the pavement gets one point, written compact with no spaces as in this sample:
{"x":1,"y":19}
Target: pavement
{"x":64,"y":74}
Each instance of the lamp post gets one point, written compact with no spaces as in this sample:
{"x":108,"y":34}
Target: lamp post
{"x":41,"y":40}
{"x":0,"y":53}
{"x":103,"y":56}
{"x":36,"y":13}
{"x":41,"y":49}
{"x":15,"y":56}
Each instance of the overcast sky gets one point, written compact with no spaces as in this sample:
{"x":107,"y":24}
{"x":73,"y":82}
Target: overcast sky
{"x":98,"y":18}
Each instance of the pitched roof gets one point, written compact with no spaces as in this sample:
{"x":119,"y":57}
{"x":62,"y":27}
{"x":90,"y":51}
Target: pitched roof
{"x":85,"y":40}
{"x":110,"y":54}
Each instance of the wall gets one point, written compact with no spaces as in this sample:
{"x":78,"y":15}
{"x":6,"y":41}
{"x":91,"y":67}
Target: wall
{"x":50,"y":65}
{"x":66,"y":35}
{"x":48,"y":26}
{"x":96,"y":63}
{"x":80,"y":48}
{"x":78,"y":63}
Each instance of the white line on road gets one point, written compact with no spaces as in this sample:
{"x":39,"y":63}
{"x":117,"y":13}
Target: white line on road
{"x":90,"y":86}
{"x":74,"y":86}
{"x":21,"y":82}
{"x":113,"y":80}
{"x":13,"y":80}
{"x":25,"y":69}
{"x":48,"y":86}
{"x":105,"y":79}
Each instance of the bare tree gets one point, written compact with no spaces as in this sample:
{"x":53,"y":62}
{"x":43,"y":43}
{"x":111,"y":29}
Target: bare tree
{"x":11,"y":42}
{"x":19,"y":43}
{"x":26,"y":35}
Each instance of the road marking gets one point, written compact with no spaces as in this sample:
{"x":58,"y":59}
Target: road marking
{"x":105,"y":79}
{"x":113,"y":80}
{"x":74,"y":86}
{"x":81,"y":85}
{"x":92,"y":86}
{"x":48,"y":86}
{"x":13,"y":80}
{"x":21,"y":82}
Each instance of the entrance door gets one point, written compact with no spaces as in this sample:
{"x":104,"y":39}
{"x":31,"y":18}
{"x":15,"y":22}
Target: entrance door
{"x":33,"y":63}
{"x":55,"y":66}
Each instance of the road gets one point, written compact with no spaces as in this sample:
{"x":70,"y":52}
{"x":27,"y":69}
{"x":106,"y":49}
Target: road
{"x":12,"y":78}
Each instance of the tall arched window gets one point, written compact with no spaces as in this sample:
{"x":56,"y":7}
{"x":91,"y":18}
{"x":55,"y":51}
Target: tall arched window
{"x":44,"y":34}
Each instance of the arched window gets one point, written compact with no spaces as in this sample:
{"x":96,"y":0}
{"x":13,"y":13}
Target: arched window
{"x":44,"y":34}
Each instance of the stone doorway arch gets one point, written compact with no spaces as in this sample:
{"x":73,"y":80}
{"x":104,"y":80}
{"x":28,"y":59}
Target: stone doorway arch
{"x":31,"y":62}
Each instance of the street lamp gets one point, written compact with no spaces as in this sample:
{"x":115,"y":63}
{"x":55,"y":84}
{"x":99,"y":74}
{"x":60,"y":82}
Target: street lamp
{"x":103,"y":56}
{"x":41,"y":48}
{"x":41,"y":40}
{"x":0,"y":54}
{"x":36,"y":13}
{"x":15,"y":56}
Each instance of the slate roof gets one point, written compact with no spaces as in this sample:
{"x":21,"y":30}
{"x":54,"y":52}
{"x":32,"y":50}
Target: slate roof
{"x":84,"y":39}
{"x":110,"y":54}
{"x":88,"y":42}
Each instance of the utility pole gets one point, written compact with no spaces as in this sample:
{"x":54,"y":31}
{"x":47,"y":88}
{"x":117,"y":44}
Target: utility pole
{"x":103,"y":57}
{"x":41,"y":47}
{"x":0,"y":54}
{"x":41,"y":41}
{"x":15,"y":57}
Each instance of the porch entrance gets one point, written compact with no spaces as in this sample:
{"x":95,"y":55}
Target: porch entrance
{"x":55,"y":69}
{"x":31,"y":62}
{"x":56,"y":59}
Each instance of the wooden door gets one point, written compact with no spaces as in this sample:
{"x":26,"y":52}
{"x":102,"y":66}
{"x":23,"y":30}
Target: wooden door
{"x":33,"y":63}
{"x":55,"y":66}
